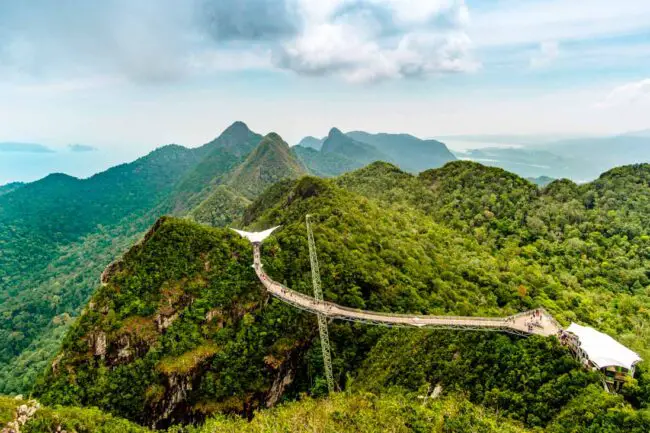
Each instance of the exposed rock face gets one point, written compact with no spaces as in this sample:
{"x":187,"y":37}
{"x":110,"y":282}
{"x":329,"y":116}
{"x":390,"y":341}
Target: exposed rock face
{"x":98,"y":344}
{"x":163,"y":322}
{"x":282,"y":380}
{"x":56,"y":361}
{"x":217,"y":315}
{"x":124,"y":351}
{"x":178,"y":389}
{"x":110,"y":270}
{"x":24,"y":413}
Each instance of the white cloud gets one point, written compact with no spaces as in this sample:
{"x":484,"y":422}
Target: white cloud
{"x":637,"y":92}
{"x":165,"y":40}
{"x":547,"y":53}
{"x":526,"y":22}
{"x":379,"y":39}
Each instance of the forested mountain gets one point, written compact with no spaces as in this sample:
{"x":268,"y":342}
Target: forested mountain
{"x":324,"y":164}
{"x":182,"y":330}
{"x":217,"y":158}
{"x":541,"y":180}
{"x":57,"y":234}
{"x":339,"y":153}
{"x":342,"y":413}
{"x":222,"y":207}
{"x":311,"y":142}
{"x":408,"y":152}
{"x":5,"y":189}
{"x":340,"y":144}
{"x":270,"y":162}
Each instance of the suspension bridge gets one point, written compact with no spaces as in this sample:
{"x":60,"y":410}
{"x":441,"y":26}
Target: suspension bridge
{"x":535,"y":322}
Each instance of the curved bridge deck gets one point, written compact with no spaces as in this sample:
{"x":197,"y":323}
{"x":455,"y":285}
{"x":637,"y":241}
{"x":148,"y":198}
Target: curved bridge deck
{"x":537,"y":322}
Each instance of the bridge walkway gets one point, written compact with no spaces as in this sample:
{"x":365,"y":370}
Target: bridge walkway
{"x":538,"y":322}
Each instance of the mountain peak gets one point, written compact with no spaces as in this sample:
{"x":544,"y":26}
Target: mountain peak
{"x":409,"y":152}
{"x":271,"y":161}
{"x":342,"y":144}
{"x":334,"y":132}
{"x":237,"y":139}
{"x":274,"y":137}
{"x":237,"y":127}
{"x":312,"y":142}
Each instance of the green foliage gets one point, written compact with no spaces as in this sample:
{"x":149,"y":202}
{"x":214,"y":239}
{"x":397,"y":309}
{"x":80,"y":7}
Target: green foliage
{"x":529,"y":380}
{"x":7,"y":409}
{"x":79,"y":420}
{"x":270,"y":162}
{"x":189,"y":331}
{"x":221,"y":208}
{"x":368,"y":413}
{"x":59,"y":233}
{"x":325,"y":164}
{"x":168,"y":306}
{"x":580,"y":251}
{"x":10,"y":187}
{"x":597,"y":412}
{"x":70,"y":419}
{"x":340,"y":413}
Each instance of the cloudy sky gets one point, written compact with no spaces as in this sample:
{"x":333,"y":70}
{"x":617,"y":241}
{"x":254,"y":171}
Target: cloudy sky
{"x":120,"y":77}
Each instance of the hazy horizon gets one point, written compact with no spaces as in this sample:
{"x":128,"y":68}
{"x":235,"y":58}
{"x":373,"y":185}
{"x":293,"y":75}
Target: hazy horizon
{"x":127,"y":77}
{"x":83,"y":161}
{"x":120,"y":73}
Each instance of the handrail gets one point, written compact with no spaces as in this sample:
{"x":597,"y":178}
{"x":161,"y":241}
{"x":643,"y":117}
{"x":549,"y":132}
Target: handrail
{"x":513,"y":323}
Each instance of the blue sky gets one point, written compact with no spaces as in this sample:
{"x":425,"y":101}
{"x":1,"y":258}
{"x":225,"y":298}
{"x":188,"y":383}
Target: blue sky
{"x":127,"y":76}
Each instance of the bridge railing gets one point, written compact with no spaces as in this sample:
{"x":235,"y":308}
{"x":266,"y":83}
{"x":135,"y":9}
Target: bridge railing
{"x":358,"y":312}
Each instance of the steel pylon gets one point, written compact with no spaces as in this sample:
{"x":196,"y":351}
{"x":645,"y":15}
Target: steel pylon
{"x":322,"y":320}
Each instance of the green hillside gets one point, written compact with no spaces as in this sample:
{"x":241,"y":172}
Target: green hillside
{"x":57,"y":235}
{"x":218,"y":158}
{"x":222,"y":207}
{"x":343,"y":413}
{"x":6,"y":189}
{"x":183,"y":330}
{"x":325,"y":164}
{"x":270,"y":162}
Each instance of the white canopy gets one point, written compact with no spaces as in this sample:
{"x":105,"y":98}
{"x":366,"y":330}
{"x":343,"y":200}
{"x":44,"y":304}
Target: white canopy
{"x":256,"y":237}
{"x":602,"y":349}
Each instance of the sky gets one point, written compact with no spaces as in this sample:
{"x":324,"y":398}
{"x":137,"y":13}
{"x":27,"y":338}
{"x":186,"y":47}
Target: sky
{"x":97,"y":83}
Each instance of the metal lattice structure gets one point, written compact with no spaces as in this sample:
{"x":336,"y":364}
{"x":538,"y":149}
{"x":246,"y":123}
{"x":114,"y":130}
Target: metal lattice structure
{"x":322,"y":319}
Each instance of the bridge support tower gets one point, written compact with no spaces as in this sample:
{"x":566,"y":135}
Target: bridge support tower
{"x":322,"y":319}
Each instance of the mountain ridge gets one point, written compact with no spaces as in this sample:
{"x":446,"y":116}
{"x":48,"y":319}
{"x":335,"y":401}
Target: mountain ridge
{"x":269,"y":162}
{"x":409,"y":152}
{"x":339,"y":143}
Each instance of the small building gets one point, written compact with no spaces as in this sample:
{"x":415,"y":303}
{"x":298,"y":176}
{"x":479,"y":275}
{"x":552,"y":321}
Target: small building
{"x":598,"y":351}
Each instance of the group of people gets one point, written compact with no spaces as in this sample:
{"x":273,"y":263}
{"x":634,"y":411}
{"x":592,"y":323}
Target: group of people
{"x":535,"y":320}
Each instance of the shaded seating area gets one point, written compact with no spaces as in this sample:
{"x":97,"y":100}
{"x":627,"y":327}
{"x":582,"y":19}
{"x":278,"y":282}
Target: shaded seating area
{"x":598,"y":351}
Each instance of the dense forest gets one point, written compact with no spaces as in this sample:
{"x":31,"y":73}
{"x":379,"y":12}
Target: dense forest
{"x":181,"y":333}
{"x":59,"y":233}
